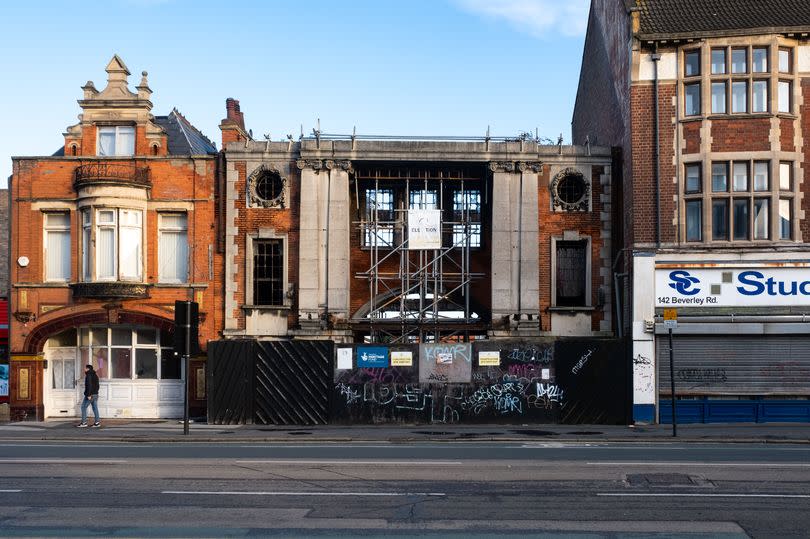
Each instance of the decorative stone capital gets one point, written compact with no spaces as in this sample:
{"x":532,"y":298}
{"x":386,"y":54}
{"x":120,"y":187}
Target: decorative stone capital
{"x":533,"y":166}
{"x":501,"y":166}
{"x":314,"y":164}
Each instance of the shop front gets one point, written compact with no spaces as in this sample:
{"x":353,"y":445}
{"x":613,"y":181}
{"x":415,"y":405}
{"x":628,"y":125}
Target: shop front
{"x":741,"y":346}
{"x":139,"y":374}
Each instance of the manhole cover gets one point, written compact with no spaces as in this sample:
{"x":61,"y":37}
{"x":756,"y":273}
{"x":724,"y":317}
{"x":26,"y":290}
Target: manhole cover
{"x":532,"y":432}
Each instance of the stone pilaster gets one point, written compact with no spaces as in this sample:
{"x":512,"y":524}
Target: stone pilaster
{"x":515,"y":247}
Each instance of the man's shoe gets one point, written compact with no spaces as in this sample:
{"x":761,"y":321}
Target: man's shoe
{"x":96,"y":424}
{"x":81,"y":426}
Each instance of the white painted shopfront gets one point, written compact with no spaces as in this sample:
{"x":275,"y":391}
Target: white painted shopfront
{"x":139,"y":375}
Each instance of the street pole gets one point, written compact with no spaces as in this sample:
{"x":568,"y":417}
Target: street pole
{"x":672,"y":385}
{"x":187,"y":351}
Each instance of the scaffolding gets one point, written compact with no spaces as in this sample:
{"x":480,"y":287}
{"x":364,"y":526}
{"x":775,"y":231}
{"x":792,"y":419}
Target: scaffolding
{"x":419,"y":295}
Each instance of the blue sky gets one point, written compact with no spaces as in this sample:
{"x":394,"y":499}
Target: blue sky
{"x":388,"y":67}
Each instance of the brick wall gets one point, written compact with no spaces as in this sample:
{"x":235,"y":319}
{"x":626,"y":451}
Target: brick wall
{"x":738,"y":134}
{"x":643,"y":171}
{"x":554,"y":224}
{"x":804,"y":111}
{"x":250,"y":220}
{"x":47,"y":183}
{"x":4,"y":254}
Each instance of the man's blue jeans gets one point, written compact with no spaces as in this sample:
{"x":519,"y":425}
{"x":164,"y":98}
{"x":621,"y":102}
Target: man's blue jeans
{"x":88,"y":402}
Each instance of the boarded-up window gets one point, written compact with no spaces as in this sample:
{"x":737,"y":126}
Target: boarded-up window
{"x":571,"y":273}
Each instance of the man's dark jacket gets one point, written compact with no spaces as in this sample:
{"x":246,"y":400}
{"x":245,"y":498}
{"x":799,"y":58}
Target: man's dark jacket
{"x":90,"y":383}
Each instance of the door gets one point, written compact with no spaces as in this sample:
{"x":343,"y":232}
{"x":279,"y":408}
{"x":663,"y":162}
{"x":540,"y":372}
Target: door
{"x":63,"y":381}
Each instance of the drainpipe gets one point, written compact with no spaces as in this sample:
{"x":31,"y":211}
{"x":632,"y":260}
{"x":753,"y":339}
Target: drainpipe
{"x":656,"y":57}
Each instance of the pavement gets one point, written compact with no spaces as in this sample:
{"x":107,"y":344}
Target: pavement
{"x":158,"y":430}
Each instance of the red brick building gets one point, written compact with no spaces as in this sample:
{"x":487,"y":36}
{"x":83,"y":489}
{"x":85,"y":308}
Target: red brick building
{"x":322,"y":239}
{"x":106,"y":234}
{"x":709,"y":102}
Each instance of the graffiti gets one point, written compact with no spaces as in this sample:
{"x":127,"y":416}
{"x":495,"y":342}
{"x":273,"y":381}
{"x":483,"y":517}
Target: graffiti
{"x":348,"y":393}
{"x":552,"y":392}
{"x":447,"y":353}
{"x":377,"y":375}
{"x":524,"y":372}
{"x":702,"y":375}
{"x":531,"y":354}
{"x":445,"y":363}
{"x":536,"y":382}
{"x":641,"y":360}
{"x":582,"y":361}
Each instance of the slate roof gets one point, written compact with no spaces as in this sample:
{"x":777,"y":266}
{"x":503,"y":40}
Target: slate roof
{"x":661,"y":19}
{"x":184,"y":138}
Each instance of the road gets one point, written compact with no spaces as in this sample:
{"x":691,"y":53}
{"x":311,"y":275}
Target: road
{"x":440,"y":488}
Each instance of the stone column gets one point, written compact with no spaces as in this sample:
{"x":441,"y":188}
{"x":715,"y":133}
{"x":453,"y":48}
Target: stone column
{"x":338,"y":274}
{"x":515,"y":249}
{"x":312,"y":243}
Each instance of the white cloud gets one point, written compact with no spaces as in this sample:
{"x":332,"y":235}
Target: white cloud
{"x":539,"y":18}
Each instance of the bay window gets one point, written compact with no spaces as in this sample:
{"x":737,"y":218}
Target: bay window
{"x":112,"y":244}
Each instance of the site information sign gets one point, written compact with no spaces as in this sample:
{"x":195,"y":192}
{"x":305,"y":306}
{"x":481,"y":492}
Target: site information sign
{"x":424,"y":229}
{"x":732,"y":287}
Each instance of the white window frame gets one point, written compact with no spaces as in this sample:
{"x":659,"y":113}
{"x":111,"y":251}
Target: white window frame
{"x":166,"y":230}
{"x":49,"y":229}
{"x":92,"y":257}
{"x":117,"y":130}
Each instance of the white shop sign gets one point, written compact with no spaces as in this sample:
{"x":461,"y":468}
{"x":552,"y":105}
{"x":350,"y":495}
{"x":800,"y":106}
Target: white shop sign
{"x":424,"y":229}
{"x":732,"y":287}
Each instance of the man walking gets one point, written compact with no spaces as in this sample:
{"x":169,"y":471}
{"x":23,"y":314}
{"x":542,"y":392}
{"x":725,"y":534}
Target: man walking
{"x":90,"y":396}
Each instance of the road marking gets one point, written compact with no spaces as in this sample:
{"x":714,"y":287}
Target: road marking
{"x":10,"y":490}
{"x":62,"y":461}
{"x":731,"y":464}
{"x":266,"y":493}
{"x":356,"y":462}
{"x":696,"y":495}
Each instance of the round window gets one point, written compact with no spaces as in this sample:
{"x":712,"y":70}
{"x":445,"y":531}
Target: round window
{"x":571,"y":188}
{"x":266,"y":188}
{"x":570,"y":191}
{"x":269,"y":186}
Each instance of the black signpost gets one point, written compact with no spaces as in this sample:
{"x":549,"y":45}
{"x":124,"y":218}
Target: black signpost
{"x":186,"y":316}
{"x":671,"y":322}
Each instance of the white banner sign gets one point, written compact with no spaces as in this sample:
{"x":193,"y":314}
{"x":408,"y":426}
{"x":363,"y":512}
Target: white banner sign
{"x":732,"y":287}
{"x":424,"y":229}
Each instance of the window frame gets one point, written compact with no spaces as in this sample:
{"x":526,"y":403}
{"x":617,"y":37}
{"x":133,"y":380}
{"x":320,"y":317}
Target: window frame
{"x":49,"y":229}
{"x":117,"y":132}
{"x":587,"y":274}
{"x":87,"y":352}
{"x":266,"y":235}
{"x":92,"y":257}
{"x":167,"y":230}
